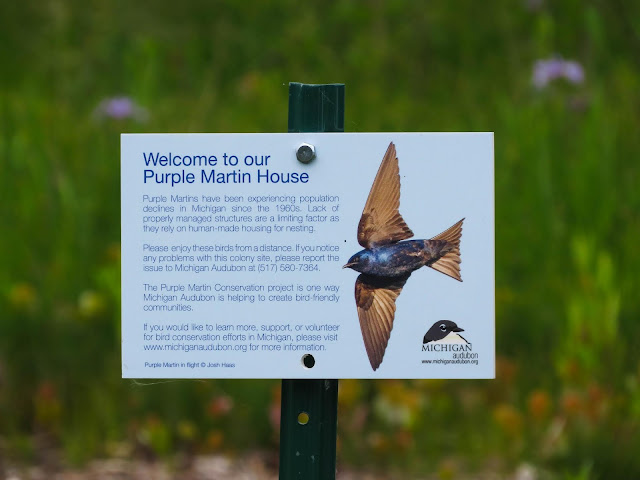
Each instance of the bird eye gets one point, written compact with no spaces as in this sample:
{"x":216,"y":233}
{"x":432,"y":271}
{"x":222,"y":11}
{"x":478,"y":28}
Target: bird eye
{"x":443,"y":327}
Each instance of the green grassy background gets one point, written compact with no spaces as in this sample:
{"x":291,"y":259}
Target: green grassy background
{"x":567,"y":395}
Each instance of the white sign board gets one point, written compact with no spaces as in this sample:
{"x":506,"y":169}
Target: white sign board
{"x":233,"y":254}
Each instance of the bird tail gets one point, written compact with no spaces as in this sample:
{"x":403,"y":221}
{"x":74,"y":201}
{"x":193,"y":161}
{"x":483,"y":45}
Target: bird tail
{"x":449,"y":264}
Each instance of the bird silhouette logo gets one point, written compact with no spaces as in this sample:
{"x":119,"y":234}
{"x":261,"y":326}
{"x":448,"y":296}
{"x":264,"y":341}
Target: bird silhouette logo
{"x":388,"y":259}
{"x":444,"y":331}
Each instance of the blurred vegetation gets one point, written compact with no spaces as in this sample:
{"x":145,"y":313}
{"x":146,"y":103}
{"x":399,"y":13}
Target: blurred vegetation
{"x":566,"y":400}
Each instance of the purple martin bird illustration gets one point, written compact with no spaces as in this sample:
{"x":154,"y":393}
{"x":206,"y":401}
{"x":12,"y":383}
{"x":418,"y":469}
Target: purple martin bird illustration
{"x":387,"y":261}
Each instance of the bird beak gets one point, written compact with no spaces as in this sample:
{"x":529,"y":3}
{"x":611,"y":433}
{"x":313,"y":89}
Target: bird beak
{"x":458,"y":329}
{"x":350,"y":264}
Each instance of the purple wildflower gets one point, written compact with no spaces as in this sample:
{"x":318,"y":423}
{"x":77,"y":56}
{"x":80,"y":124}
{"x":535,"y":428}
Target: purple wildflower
{"x":573,"y":72}
{"x":546,"y":71}
{"x":119,"y":108}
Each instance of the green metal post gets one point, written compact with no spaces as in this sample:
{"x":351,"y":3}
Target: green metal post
{"x":308,"y":450}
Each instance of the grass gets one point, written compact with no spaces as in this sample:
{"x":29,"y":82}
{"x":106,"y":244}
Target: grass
{"x":567,"y":396}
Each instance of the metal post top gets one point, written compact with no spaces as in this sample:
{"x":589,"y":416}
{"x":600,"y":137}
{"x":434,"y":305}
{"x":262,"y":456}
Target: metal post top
{"x":316,"y":107}
{"x":312,"y":85}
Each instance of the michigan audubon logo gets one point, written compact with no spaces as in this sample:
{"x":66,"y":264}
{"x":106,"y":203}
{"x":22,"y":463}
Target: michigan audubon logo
{"x":444,"y":340}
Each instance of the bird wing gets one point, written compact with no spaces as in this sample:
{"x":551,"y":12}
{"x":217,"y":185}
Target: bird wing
{"x":376,"y":301}
{"x":381,"y":222}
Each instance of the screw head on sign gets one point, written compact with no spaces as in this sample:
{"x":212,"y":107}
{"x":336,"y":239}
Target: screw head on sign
{"x":306,"y":153}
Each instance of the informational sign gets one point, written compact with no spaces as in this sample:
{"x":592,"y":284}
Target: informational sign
{"x":373,"y":260}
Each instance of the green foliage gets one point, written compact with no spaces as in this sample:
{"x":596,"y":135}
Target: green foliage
{"x":567,"y":395}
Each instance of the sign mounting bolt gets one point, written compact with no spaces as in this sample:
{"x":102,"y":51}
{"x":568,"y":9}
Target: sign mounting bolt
{"x":306,"y":153}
